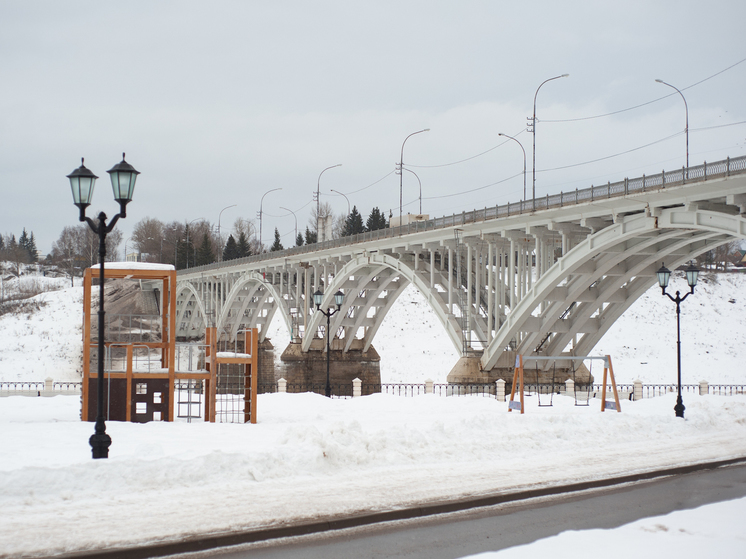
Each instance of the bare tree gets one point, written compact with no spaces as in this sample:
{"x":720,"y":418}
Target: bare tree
{"x":247,"y":227}
{"x":148,"y":238}
{"x":720,"y":258}
{"x":68,"y":249}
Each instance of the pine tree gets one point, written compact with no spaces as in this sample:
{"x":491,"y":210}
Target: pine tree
{"x":230,"y":252}
{"x":23,"y":240}
{"x":204,"y":252}
{"x":353,"y":224}
{"x":277,"y":245}
{"x":185,"y":251}
{"x":243,"y":245}
{"x":299,"y":240}
{"x":32,"y":250}
{"x":311,"y":236}
{"x":376,"y":220}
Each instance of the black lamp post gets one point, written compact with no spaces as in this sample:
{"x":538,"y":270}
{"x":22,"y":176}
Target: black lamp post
{"x":338,"y":299}
{"x":664,"y":274}
{"x":82,"y":180}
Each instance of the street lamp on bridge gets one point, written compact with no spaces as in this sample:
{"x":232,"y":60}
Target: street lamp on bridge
{"x":319,"y":226}
{"x":533,"y":133}
{"x":82,"y":180}
{"x":401,"y":168}
{"x":318,"y":297}
{"x":686,"y":126}
{"x":664,"y":274}
{"x":296,"y":223}
{"x":261,"y":203}
{"x":346,"y":198}
{"x":524,"y":163}
{"x":220,"y":252}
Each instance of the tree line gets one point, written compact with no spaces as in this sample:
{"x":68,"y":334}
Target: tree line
{"x":18,"y":252}
{"x":189,"y":244}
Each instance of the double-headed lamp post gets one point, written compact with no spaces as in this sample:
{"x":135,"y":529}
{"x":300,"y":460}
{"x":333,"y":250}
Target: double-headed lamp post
{"x":82,"y":180}
{"x":664,"y":274}
{"x":318,"y":297}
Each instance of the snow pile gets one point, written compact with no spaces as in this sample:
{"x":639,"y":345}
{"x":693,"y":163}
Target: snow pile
{"x":310,"y":457}
{"x":708,"y":531}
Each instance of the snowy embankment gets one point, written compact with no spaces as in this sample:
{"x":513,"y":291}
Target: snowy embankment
{"x":310,"y":457}
{"x":43,"y":338}
{"x":414,"y":346}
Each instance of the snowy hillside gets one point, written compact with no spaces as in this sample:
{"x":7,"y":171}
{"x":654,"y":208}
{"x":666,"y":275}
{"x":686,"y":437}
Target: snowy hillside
{"x":413,"y":345}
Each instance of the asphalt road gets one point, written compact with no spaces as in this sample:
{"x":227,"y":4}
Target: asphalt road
{"x":449,"y":536}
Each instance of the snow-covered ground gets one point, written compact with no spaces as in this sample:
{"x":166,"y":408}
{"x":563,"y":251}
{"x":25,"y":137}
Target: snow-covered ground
{"x":309,"y":456}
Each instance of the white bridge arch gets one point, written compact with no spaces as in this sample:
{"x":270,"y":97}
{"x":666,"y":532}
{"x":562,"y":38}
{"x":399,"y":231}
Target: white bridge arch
{"x":546,"y":281}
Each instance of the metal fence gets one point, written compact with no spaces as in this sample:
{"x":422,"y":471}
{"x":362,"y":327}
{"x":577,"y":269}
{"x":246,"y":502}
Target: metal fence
{"x":39,"y":388}
{"x":190,"y":393}
{"x":726,"y":389}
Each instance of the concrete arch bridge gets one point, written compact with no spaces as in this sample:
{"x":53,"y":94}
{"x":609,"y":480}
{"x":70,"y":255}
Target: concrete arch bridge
{"x":540,"y":277}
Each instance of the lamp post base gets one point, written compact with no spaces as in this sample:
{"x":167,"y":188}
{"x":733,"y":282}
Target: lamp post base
{"x":100,"y":441}
{"x":679,"y":407}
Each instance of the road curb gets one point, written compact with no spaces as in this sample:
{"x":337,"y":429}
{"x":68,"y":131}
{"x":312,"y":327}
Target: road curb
{"x":214,"y":541}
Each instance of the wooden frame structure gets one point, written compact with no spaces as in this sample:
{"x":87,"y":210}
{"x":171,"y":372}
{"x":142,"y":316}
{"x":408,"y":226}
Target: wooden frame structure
{"x":608,"y":375}
{"x":140,"y":396}
{"x":213,"y":360}
{"x":126,"y":382}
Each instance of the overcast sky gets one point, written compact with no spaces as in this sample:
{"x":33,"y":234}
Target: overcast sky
{"x":218,"y":102}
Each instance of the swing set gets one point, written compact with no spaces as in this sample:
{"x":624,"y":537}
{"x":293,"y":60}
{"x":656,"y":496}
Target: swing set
{"x":584,"y":400}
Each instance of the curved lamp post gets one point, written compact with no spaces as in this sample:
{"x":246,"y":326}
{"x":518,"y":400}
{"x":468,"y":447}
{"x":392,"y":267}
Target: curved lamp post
{"x":420,"y":183}
{"x":686,"y":128}
{"x":533,"y":132}
{"x":82,"y":180}
{"x":318,"y":297}
{"x":524,"y":164}
{"x":346,"y":198}
{"x":296,"y":222}
{"x":319,"y":238}
{"x":401,"y":166}
{"x":664,"y":274}
{"x":261,"y":202}
{"x":220,"y":252}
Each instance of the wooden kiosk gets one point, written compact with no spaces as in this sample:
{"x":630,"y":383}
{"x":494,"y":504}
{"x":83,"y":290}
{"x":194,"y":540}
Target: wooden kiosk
{"x":132,"y":394}
{"x":141,"y":372}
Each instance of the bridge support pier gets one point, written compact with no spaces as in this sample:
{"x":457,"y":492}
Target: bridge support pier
{"x":309,"y":369}
{"x":468,"y":370}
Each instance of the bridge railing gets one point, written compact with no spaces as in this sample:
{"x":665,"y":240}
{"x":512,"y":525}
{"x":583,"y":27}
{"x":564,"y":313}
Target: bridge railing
{"x":637,"y":185}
